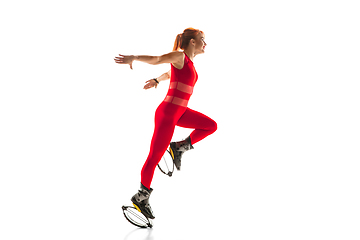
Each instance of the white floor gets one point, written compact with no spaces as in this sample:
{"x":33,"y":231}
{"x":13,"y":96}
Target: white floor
{"x":259,"y":199}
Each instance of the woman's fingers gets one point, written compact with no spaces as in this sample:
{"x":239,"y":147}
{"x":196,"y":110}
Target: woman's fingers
{"x":124,"y":60}
{"x":150,"y":84}
{"x":121,"y":59}
{"x":118,"y":60}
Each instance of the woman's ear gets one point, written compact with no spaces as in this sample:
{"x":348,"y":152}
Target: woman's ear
{"x":192,"y":41}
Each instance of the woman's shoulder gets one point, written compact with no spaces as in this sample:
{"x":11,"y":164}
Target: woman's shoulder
{"x":178,"y":53}
{"x":180,"y":56}
{"x":174,"y":56}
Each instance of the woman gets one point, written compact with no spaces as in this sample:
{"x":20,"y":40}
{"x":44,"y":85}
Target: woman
{"x":173,"y":110}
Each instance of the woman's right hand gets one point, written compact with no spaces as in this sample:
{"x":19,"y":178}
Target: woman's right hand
{"x":150,"y":83}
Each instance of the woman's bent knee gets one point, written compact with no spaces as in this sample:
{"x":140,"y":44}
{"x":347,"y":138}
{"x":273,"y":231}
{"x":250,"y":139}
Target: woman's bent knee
{"x":213,"y":126}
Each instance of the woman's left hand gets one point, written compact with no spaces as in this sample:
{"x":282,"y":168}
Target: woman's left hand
{"x":125,"y":59}
{"x":150,"y":83}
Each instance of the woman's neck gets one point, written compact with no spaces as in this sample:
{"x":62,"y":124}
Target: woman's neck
{"x":190,"y":53}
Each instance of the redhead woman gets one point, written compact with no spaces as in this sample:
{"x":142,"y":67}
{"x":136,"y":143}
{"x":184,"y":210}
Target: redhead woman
{"x":173,"y":110}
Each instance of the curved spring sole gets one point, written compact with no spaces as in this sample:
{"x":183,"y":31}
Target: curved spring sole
{"x":136,"y":218}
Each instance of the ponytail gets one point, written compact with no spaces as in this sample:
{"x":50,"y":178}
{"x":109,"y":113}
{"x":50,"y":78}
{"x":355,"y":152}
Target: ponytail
{"x":183,"y":39}
{"x":178,"y":42}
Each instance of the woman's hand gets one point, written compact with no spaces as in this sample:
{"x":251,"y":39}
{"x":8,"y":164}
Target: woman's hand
{"x":125,"y":59}
{"x":150,"y":83}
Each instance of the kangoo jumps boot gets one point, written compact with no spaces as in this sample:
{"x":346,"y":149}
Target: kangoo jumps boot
{"x":141,"y":201}
{"x":178,"y":148}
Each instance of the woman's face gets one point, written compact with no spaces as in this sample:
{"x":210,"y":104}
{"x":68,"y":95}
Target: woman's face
{"x":200,"y":43}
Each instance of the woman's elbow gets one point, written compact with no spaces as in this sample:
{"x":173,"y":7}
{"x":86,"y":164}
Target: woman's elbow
{"x":156,"y":60}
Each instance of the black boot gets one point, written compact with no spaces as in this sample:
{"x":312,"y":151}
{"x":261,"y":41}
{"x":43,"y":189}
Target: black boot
{"x":178,"y":148}
{"x":141,"y":201}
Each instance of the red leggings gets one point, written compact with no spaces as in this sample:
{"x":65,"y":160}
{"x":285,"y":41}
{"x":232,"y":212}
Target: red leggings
{"x":167,"y":116}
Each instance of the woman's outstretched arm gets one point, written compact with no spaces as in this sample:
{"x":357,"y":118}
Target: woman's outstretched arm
{"x":152,"y":83}
{"x":175,"y":58}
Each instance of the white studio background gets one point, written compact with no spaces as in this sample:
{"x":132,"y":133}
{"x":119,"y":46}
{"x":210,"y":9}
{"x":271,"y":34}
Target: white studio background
{"x":281,"y":79}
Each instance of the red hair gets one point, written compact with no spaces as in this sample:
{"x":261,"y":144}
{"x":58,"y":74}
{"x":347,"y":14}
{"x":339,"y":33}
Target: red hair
{"x":183,"y":39}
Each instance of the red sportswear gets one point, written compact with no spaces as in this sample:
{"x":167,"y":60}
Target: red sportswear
{"x":173,"y":111}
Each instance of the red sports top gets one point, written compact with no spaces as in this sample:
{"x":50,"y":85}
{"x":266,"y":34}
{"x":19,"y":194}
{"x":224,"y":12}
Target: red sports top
{"x":182,"y":82}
